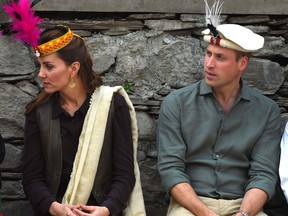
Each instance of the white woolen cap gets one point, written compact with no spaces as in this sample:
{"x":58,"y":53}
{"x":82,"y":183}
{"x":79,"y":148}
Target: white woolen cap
{"x":235,"y":37}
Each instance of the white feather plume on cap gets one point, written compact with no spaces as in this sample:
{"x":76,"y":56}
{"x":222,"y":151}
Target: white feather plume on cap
{"x":232,"y":36}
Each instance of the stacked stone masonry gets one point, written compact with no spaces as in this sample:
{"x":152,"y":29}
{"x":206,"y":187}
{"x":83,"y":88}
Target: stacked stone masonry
{"x":151,"y":55}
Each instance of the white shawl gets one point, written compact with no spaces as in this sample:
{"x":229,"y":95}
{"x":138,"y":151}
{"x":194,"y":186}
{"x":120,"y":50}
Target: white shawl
{"x":89,"y":149}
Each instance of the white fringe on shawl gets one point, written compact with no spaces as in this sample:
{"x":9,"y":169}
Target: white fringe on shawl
{"x":89,"y":149}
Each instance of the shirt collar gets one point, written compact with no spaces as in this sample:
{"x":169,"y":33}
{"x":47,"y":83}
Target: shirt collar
{"x":57,"y":110}
{"x":204,"y":88}
{"x":244,"y":91}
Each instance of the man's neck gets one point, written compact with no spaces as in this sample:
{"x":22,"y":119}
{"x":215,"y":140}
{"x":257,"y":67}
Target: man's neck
{"x":227,"y":97}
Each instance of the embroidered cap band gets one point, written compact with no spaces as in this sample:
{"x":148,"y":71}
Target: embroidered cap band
{"x":55,"y":44}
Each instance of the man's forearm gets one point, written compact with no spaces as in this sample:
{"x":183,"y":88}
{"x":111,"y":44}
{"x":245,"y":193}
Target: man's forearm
{"x":253,"y":201}
{"x":184,"y":194}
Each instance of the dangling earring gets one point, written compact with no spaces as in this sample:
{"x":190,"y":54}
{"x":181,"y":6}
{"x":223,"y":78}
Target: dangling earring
{"x":72,"y":84}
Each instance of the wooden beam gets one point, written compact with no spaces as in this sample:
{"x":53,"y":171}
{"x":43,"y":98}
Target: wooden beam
{"x":271,"y":7}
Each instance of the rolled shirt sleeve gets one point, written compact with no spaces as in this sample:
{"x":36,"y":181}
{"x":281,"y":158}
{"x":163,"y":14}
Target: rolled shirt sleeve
{"x":171,"y":146}
{"x":264,"y":162}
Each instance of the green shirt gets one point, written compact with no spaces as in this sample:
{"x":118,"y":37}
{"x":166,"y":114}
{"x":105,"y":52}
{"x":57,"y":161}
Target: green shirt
{"x":220,"y":154}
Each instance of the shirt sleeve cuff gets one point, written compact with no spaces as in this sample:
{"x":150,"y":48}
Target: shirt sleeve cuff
{"x":112,"y":208}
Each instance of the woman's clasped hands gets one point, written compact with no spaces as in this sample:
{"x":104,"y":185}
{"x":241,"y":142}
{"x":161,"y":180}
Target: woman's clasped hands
{"x":58,"y":209}
{"x":91,"y":210}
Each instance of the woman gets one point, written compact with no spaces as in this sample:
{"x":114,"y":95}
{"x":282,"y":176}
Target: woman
{"x":79,"y":135}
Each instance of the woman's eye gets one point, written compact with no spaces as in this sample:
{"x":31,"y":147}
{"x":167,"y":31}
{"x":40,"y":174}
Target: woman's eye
{"x":49,"y":67}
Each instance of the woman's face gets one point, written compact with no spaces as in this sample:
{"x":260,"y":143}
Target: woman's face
{"x":54,"y":73}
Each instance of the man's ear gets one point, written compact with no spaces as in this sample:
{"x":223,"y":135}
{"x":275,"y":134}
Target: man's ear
{"x":243,"y":62}
{"x":75,"y":66}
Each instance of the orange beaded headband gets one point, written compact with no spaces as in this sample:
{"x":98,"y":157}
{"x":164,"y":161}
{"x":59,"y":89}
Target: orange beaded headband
{"x":55,"y":44}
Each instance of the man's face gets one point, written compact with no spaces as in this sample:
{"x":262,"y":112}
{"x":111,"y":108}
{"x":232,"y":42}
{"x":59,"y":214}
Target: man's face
{"x":221,"y":67}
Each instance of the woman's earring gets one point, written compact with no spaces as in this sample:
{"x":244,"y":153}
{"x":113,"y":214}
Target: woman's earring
{"x":72,"y":84}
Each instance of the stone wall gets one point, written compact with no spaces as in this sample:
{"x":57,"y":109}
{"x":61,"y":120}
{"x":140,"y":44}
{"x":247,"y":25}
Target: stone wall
{"x":151,"y":55}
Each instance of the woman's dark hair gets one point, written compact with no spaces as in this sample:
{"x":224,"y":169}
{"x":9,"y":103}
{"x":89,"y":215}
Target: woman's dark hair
{"x":76,"y":50}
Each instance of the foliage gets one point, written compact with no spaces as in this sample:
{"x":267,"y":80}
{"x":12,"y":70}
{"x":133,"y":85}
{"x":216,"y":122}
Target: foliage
{"x":128,"y":86}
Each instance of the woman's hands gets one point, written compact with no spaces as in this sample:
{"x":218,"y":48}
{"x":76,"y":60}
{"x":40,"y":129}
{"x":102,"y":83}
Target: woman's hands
{"x":91,"y":211}
{"x":58,"y":209}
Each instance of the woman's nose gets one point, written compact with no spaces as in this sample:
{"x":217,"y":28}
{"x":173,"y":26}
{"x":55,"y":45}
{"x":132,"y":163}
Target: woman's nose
{"x":41,"y":73}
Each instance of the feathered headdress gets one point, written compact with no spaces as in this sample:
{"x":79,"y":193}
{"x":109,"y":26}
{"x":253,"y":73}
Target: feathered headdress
{"x":25,"y":25}
{"x":213,"y":16}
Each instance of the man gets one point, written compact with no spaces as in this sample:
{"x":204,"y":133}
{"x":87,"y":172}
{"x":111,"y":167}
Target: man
{"x":2,"y":155}
{"x":218,"y":140}
{"x":283,"y":167}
